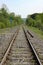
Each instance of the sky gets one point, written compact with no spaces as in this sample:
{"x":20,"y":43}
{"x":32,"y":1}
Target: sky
{"x":23,"y":7}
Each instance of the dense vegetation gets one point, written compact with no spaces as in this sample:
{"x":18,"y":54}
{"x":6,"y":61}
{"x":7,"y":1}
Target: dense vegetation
{"x":35,"y":20}
{"x":8,"y":19}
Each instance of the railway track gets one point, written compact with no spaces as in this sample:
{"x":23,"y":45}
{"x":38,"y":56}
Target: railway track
{"x":20,"y":52}
{"x":37,"y":45}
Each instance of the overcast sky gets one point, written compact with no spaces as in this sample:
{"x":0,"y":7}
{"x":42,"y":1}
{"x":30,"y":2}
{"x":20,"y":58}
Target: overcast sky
{"x":23,"y":7}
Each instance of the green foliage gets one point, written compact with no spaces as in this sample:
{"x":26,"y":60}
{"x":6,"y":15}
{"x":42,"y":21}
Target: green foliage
{"x":9,"y":19}
{"x":2,"y":25}
{"x":35,"y":20}
{"x":30,"y":22}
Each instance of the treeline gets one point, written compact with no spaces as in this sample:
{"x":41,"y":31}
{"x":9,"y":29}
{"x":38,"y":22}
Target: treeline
{"x":9,"y":19}
{"x":35,"y":20}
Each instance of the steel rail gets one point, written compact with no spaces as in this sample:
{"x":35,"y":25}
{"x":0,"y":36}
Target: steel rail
{"x":30,"y":34}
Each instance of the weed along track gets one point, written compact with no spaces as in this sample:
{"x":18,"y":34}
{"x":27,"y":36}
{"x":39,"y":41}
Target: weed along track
{"x":20,"y":52}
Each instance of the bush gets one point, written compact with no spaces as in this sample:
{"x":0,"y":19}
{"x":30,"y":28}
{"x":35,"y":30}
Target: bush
{"x":2,"y":25}
{"x":35,"y":20}
{"x":9,"y":19}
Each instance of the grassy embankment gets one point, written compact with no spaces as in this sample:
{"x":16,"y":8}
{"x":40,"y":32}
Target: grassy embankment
{"x":37,"y":31}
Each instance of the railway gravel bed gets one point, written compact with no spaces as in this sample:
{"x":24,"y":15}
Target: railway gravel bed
{"x":20,"y":52}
